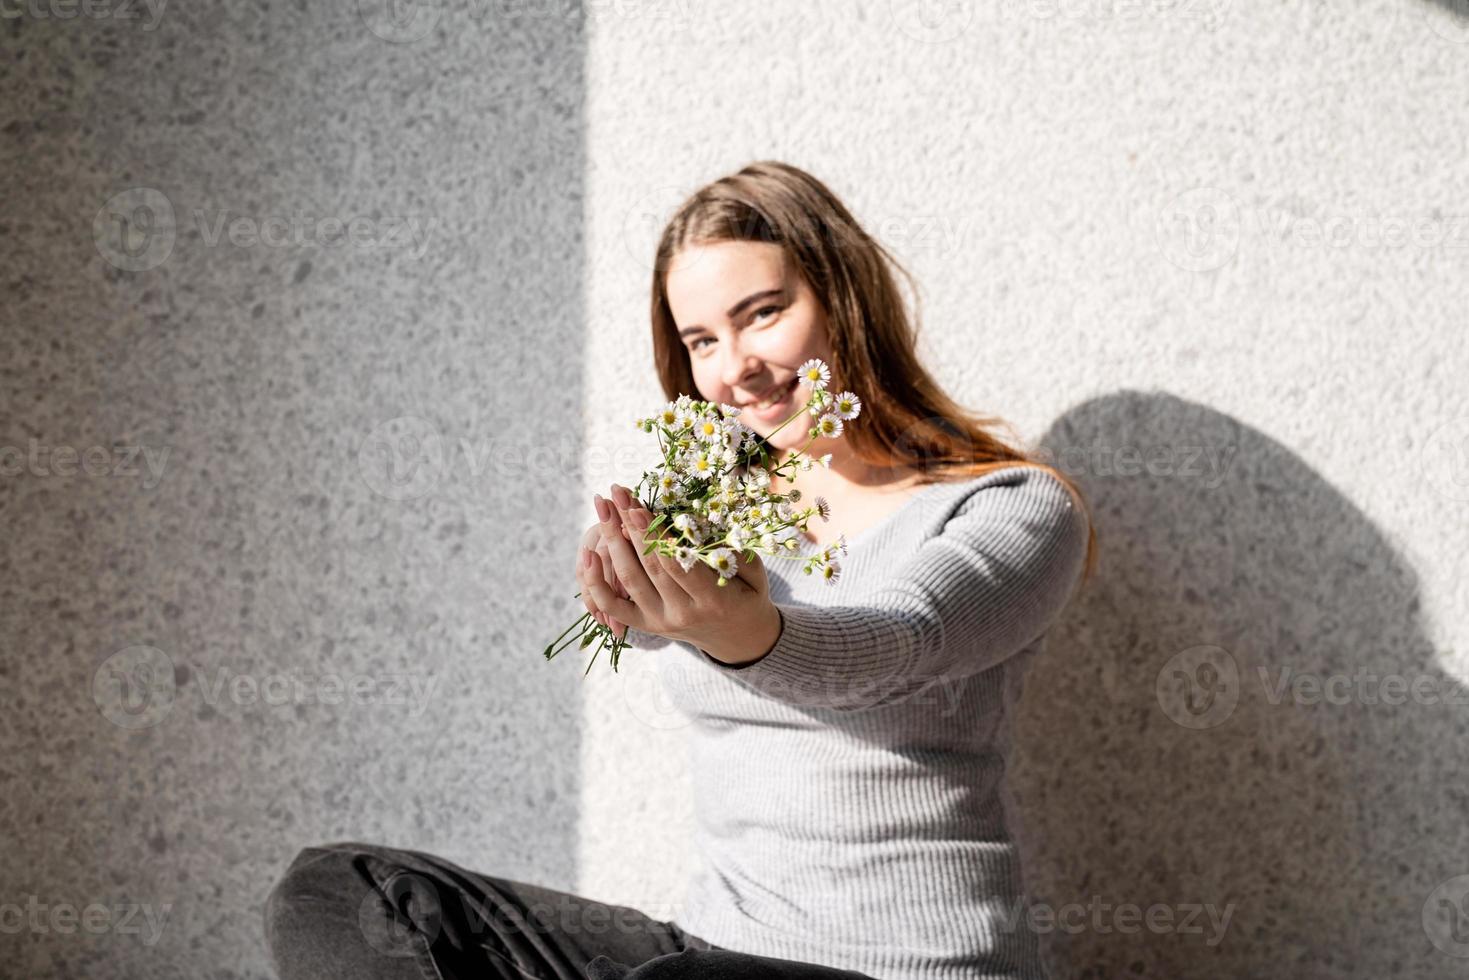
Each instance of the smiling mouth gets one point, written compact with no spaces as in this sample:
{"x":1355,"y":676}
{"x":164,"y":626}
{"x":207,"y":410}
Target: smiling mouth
{"x":774,"y":398}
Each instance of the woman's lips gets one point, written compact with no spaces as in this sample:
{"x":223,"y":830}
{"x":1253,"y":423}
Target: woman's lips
{"x":766,"y":413}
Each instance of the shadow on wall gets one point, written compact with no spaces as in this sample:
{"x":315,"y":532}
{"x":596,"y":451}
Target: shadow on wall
{"x":1459,"y":8}
{"x":1240,"y":720}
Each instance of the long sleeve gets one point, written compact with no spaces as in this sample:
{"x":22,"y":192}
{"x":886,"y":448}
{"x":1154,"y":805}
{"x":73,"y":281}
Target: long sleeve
{"x":646,"y":641}
{"x":1001,"y":569}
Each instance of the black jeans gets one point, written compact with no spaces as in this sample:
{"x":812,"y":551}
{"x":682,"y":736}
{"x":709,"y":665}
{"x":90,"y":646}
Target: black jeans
{"x":367,"y":912}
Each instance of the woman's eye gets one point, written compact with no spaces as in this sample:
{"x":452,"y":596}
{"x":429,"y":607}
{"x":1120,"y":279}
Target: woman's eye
{"x":769,"y":309}
{"x":698,"y":341}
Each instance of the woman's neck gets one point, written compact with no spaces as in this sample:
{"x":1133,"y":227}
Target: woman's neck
{"x":848,"y":474}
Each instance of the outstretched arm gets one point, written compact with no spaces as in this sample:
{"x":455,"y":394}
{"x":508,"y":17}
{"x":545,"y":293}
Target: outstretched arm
{"x":1001,"y":570}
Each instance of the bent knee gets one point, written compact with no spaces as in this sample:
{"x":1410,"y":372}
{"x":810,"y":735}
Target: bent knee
{"x":323,"y":874}
{"x":322,"y":901}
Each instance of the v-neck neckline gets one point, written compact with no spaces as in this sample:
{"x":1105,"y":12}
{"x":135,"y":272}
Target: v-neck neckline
{"x":886,"y":519}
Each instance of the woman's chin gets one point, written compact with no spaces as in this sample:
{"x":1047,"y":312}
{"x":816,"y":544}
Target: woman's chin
{"x":786,"y":446}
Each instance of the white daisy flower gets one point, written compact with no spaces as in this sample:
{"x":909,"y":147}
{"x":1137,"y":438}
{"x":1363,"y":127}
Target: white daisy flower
{"x":814,"y":373}
{"x":703,"y":466}
{"x":707,"y":428}
{"x":846,"y":406}
{"x":829,"y":426}
{"x":831,"y":571}
{"x":823,"y":508}
{"x":825,"y":461}
{"x":685,"y":557}
{"x":724,"y":561}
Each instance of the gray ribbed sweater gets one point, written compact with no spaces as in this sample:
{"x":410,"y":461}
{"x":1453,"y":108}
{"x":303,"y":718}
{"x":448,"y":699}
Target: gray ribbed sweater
{"x":848,"y":786}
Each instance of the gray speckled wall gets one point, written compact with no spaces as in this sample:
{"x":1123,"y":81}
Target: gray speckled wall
{"x":311,"y":608}
{"x":290,"y":507}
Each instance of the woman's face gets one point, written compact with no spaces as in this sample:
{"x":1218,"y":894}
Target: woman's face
{"x":749,"y":321}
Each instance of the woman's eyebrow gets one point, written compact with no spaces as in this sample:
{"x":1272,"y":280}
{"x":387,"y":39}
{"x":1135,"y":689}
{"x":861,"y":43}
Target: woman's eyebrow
{"x":734,"y":311}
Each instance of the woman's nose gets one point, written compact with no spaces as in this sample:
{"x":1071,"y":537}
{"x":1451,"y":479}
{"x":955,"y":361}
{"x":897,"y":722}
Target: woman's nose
{"x":738,"y":367}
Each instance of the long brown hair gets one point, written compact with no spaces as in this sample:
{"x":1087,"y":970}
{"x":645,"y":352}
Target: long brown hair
{"x":907,"y":419}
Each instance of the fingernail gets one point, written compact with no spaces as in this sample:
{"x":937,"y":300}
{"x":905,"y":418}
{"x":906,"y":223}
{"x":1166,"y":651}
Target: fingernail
{"x":601,"y":505}
{"x":620,"y":495}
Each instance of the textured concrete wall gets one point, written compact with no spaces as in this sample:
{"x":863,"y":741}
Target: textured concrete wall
{"x":344,"y":569}
{"x":1208,"y":254}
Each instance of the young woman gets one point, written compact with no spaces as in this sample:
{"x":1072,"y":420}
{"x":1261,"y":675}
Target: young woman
{"x":849,"y":735}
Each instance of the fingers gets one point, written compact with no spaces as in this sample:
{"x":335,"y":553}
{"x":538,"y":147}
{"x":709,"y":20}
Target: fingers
{"x":613,"y":582}
{"x":657,"y":569}
{"x":592,"y":540}
{"x":629,"y":566}
{"x":622,"y":611}
{"x":584,"y":565}
{"x":664,"y":570}
{"x":604,"y":511}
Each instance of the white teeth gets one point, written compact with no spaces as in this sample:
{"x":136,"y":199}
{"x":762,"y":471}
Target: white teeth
{"x":775,"y":398}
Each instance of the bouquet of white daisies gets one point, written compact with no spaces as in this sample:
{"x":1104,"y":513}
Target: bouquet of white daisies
{"x":711,"y":493}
